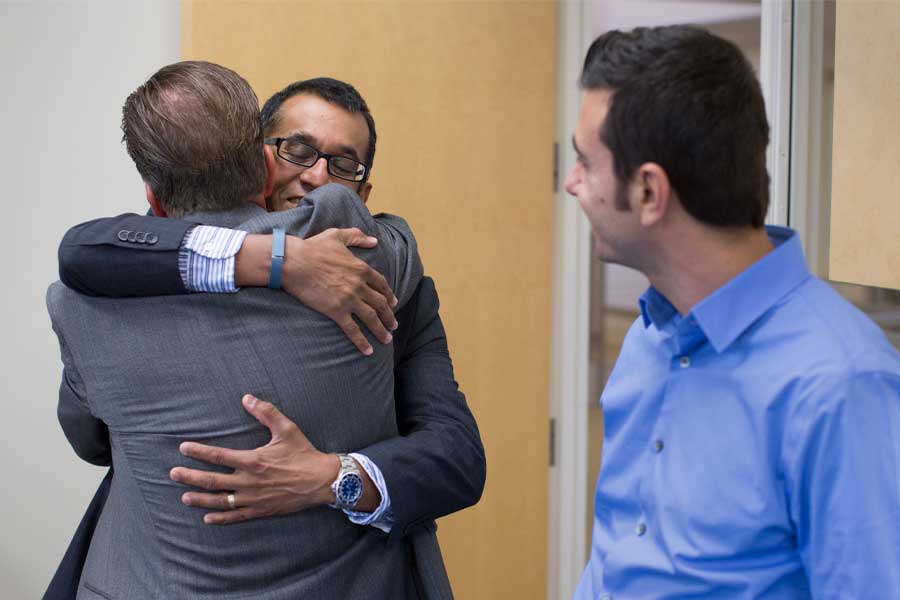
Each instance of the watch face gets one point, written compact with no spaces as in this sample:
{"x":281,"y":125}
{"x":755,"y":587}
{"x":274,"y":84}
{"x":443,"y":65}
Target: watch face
{"x":349,"y":489}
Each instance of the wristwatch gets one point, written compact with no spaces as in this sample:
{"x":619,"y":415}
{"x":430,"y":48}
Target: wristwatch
{"x":347,"y":488}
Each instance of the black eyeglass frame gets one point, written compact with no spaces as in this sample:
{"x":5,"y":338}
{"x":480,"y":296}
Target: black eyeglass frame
{"x":319,"y":154}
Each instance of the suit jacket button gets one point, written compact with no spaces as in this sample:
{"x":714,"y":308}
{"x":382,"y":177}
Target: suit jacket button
{"x":123,"y":235}
{"x":141,"y":237}
{"x":132,"y":236}
{"x":152,"y":238}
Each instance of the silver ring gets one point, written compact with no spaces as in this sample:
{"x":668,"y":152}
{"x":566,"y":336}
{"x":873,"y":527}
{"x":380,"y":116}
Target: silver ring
{"x":231,"y":504}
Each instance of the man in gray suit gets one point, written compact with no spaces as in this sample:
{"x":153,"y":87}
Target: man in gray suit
{"x":154,"y":371}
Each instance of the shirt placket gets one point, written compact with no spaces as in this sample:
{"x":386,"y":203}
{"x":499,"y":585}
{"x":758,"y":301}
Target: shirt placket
{"x":685,"y":339}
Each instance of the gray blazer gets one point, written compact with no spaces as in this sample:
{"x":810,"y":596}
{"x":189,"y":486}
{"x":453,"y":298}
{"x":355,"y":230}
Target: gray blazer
{"x":156,"y":371}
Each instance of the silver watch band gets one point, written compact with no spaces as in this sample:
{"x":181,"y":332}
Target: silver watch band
{"x":347,"y":486}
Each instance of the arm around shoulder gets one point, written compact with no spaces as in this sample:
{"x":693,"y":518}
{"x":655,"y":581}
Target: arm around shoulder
{"x":127,"y":255}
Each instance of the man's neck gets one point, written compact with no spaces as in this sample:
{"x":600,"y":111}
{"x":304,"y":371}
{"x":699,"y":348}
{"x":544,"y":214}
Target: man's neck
{"x":226,"y":218}
{"x":696,"y":261}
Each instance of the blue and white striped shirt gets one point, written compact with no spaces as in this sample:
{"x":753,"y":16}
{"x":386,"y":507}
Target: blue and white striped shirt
{"x":206,"y":264}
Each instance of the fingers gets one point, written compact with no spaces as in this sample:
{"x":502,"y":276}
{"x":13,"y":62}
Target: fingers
{"x":220,"y":501}
{"x":354,"y":237}
{"x":378,"y":303}
{"x":206,"y":480}
{"x":375,"y":280}
{"x":267,"y":414}
{"x":229,"y":517}
{"x":355,"y":334}
{"x":202,"y":500}
{"x":378,"y":283}
{"x":236,"y":459}
{"x":372,"y":320}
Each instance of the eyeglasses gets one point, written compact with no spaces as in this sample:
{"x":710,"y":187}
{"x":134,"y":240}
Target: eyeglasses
{"x":298,"y":153}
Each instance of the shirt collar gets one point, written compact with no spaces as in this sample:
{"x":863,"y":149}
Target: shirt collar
{"x":726,"y":313}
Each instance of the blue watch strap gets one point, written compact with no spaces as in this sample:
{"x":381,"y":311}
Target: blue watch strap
{"x":277,"y":258}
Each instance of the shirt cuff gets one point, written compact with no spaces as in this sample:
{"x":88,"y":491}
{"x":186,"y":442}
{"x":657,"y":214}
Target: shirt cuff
{"x":206,"y":259}
{"x":383,"y":517}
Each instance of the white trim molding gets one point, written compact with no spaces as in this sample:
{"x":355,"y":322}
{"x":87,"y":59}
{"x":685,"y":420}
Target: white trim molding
{"x":810,"y":186}
{"x":569,"y":374}
{"x":776,"y":24}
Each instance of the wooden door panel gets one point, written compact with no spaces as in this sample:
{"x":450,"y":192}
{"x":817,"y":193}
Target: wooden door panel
{"x":463,"y":98}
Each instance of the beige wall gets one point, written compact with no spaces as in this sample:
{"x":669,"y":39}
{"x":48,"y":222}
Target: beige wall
{"x":865,"y":214}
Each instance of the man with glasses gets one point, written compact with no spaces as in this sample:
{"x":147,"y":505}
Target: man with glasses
{"x":321,"y":132}
{"x":294,"y":150}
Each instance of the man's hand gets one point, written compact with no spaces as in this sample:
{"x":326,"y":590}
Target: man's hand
{"x":322,"y":274}
{"x":285,"y":476}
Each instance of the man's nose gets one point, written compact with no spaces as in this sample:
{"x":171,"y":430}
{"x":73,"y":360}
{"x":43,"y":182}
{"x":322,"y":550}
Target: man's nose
{"x":317,"y":174}
{"x":572,"y":180}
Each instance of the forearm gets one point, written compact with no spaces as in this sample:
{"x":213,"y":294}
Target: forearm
{"x":253,"y":261}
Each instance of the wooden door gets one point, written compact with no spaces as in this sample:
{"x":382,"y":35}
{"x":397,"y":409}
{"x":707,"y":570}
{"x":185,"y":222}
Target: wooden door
{"x":463,"y":98}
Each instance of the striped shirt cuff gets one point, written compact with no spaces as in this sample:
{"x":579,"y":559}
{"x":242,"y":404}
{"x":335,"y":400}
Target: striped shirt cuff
{"x":383,"y":517}
{"x":206,"y":259}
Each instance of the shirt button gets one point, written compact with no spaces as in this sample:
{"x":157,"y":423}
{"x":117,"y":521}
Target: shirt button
{"x":658,"y":446}
{"x":685,"y":362}
{"x":641,"y":529}
{"x":606,"y":597}
{"x":208,"y":246}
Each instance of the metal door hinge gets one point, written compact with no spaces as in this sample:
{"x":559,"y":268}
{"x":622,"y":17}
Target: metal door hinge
{"x":552,"y":442}
{"x":555,"y":167}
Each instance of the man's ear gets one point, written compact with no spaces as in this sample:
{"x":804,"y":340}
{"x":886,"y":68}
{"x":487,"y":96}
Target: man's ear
{"x":155,"y":205}
{"x":655,"y":193}
{"x":364,"y":190}
{"x":270,"y":170}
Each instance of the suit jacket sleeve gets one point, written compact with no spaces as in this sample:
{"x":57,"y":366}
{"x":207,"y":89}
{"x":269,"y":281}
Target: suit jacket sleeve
{"x":97,"y":258}
{"x":437,"y":465}
{"x":87,"y":434}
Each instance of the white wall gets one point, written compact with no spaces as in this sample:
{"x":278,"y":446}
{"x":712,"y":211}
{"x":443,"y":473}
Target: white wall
{"x":66,"y":70}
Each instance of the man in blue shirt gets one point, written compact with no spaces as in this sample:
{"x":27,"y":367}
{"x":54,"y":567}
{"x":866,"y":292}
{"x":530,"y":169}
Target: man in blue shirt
{"x":753,"y":417}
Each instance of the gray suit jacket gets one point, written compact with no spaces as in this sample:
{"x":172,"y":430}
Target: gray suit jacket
{"x":156,"y":371}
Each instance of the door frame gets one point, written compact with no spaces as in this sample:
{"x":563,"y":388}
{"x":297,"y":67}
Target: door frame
{"x":569,"y":372}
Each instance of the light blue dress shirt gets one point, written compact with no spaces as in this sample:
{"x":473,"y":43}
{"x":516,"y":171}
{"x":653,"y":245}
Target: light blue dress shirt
{"x":206,"y":263}
{"x":752,"y":447}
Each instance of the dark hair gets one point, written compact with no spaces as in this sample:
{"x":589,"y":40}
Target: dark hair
{"x":690,"y":102}
{"x":331,"y":90}
{"x":193,"y":132}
